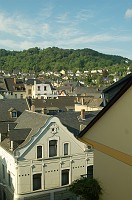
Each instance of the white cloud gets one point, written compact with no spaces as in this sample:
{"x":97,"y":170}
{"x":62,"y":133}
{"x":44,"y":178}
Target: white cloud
{"x":46,"y":12}
{"x":84,"y":15}
{"x":63,"y":18}
{"x":20,"y":27}
{"x":128,"y":13}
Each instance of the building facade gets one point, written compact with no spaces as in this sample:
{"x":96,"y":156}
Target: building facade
{"x":110,"y":134}
{"x":40,"y":158}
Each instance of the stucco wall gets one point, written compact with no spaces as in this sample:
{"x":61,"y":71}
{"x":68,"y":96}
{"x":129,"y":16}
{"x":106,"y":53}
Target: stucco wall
{"x":114,"y":176}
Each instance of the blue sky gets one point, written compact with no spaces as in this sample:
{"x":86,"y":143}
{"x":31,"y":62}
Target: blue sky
{"x":102,"y":25}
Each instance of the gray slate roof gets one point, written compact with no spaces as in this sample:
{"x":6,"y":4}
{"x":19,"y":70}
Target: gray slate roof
{"x":19,"y":134}
{"x":6,"y":104}
{"x":72,"y":120}
{"x":4,"y":126}
{"x":30,"y":81}
{"x":31,"y":120}
{"x":13,"y":83}
{"x":62,"y":103}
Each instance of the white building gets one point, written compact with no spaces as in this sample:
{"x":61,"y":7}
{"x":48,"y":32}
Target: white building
{"x":38,"y":89}
{"x":40,"y":158}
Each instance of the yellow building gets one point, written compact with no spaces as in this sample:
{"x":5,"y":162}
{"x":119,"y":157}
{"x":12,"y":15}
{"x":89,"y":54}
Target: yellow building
{"x":110,"y":133}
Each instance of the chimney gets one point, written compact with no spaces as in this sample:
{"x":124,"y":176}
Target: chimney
{"x":8,"y":127}
{"x":82,"y":114}
{"x":44,"y":111}
{"x":11,"y":145}
{"x":33,"y":108}
{"x":82,"y":101}
{"x":14,"y":79}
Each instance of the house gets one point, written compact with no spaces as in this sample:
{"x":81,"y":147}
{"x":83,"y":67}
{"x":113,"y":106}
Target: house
{"x":89,"y":104}
{"x":109,"y":92}
{"x":3,"y":88}
{"x":40,"y":157}
{"x":38,"y":89}
{"x":15,"y":88}
{"x":76,"y":88}
{"x":110,"y":134}
{"x":53,"y":106}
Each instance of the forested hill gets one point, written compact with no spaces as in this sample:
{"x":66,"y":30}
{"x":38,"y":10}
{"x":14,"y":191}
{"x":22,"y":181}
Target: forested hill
{"x":56,"y":59}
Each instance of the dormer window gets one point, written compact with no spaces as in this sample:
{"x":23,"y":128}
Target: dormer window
{"x":13,"y":112}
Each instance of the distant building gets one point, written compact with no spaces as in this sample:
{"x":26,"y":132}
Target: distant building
{"x":36,"y":89}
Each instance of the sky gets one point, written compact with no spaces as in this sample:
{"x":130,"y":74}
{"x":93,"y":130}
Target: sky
{"x":101,"y":25}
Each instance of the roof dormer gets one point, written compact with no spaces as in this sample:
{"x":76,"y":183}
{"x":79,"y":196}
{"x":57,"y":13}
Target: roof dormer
{"x":13,"y":112}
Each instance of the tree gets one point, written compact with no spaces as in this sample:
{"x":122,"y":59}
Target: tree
{"x":87,"y":188}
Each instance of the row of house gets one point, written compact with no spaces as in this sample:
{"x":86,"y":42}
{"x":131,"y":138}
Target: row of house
{"x":35,"y":88}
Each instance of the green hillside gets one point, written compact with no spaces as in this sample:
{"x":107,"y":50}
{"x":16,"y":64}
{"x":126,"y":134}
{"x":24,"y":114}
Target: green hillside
{"x":56,"y":59}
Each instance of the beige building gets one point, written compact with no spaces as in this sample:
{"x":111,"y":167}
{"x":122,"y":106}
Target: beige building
{"x":40,"y":158}
{"x":110,"y":133}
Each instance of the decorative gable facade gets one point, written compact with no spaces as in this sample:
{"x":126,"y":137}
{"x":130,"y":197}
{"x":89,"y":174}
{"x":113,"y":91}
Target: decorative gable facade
{"x":43,"y":158}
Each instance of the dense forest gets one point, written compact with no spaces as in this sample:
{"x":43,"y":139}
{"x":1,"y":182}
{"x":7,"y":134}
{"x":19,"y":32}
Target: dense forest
{"x":56,"y":59}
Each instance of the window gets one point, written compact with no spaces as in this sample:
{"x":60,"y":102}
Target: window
{"x":4,"y":195}
{"x":9,"y":178}
{"x":52,"y":148}
{"x":90,"y":171}
{"x":39,"y":152}
{"x":65,"y":177}
{"x":66,"y":152}
{"x":14,"y":114}
{"x":38,"y":88}
{"x":45,"y":88}
{"x":3,"y":171}
{"x":29,"y":91}
{"x":21,"y":96}
{"x":37,"y":181}
{"x":16,"y":96}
